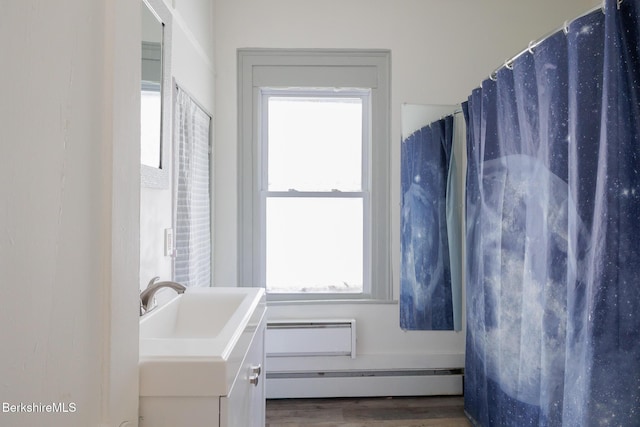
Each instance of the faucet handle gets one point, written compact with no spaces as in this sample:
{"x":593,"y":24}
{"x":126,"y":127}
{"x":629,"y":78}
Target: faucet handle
{"x":142,"y":311}
{"x":152,"y":281}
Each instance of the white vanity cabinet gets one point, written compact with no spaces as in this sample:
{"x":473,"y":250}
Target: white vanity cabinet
{"x":245,"y":404}
{"x":202,"y":360}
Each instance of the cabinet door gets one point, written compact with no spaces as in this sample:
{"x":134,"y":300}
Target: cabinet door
{"x":245,"y":404}
{"x":172,"y":411}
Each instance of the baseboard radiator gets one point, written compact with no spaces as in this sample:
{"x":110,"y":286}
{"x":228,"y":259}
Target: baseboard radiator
{"x":361,"y":383}
{"x":321,"y":337}
{"x":326,"y":338}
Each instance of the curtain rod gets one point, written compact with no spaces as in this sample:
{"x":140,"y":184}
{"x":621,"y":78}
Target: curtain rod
{"x":534,"y":43}
{"x":456,"y":111}
{"x":177,"y":86}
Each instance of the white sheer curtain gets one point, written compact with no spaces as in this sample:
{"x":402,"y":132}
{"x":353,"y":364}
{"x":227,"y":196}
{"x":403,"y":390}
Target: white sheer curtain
{"x":192,"y":264}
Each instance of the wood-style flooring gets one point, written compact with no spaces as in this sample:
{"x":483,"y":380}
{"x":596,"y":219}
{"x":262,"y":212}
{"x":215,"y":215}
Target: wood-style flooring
{"x":367,"y":412}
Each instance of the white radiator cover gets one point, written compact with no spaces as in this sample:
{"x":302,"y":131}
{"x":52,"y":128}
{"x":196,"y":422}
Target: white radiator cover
{"x":318,"y":337}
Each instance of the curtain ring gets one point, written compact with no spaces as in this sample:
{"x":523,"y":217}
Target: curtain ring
{"x":494,"y":76}
{"x":509,"y":64}
{"x":565,"y":28}
{"x":530,"y":47}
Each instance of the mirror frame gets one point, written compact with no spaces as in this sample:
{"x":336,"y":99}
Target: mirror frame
{"x":151,"y":177}
{"x":413,"y":118}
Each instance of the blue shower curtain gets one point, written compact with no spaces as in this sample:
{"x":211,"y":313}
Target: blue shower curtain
{"x":553,"y":231}
{"x":425,"y":277}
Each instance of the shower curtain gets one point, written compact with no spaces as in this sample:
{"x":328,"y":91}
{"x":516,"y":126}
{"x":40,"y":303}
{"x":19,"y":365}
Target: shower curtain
{"x":425,"y":277}
{"x":192,"y":261}
{"x":553,"y":231}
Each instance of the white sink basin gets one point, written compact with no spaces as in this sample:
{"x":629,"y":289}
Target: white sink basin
{"x":194,"y":344}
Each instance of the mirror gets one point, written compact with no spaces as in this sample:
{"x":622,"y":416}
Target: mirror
{"x":151,"y":90}
{"x":432,"y":181}
{"x":155,"y":93}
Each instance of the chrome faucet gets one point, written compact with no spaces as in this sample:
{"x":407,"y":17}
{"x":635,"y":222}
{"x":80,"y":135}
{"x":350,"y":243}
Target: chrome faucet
{"x":146,"y":297}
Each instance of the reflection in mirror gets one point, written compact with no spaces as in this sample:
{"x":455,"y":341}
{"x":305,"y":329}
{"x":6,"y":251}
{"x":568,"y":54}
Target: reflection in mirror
{"x":155,"y":93}
{"x":417,"y":116}
{"x":431,"y":244}
{"x":151,"y":90}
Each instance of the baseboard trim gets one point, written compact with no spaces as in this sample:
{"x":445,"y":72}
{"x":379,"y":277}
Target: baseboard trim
{"x":425,"y":382}
{"x":366,"y":373}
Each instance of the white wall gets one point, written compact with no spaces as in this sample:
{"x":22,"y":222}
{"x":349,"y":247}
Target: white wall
{"x":193,"y":69}
{"x":69,"y":202}
{"x":68,"y":247}
{"x":441,"y":50}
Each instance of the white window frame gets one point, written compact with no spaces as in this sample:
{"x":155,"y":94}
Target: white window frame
{"x":262,"y":71}
{"x":364,"y":193}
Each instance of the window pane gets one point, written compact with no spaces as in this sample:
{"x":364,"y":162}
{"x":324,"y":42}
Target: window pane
{"x":314,"y":245}
{"x":314,"y":143}
{"x":150,"y":112}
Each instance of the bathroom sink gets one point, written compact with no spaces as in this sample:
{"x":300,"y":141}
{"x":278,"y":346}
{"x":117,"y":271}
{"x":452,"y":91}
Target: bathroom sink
{"x":194,"y":344}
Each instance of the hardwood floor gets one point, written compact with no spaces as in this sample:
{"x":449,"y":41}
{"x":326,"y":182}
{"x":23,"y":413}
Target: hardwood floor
{"x":367,"y":412}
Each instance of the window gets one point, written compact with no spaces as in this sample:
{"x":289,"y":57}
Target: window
{"x":314,"y":173}
{"x":150,"y":124}
{"x":314,"y":203}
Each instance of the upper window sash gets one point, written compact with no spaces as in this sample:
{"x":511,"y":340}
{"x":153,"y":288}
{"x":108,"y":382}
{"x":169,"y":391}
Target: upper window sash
{"x":364,"y":95}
